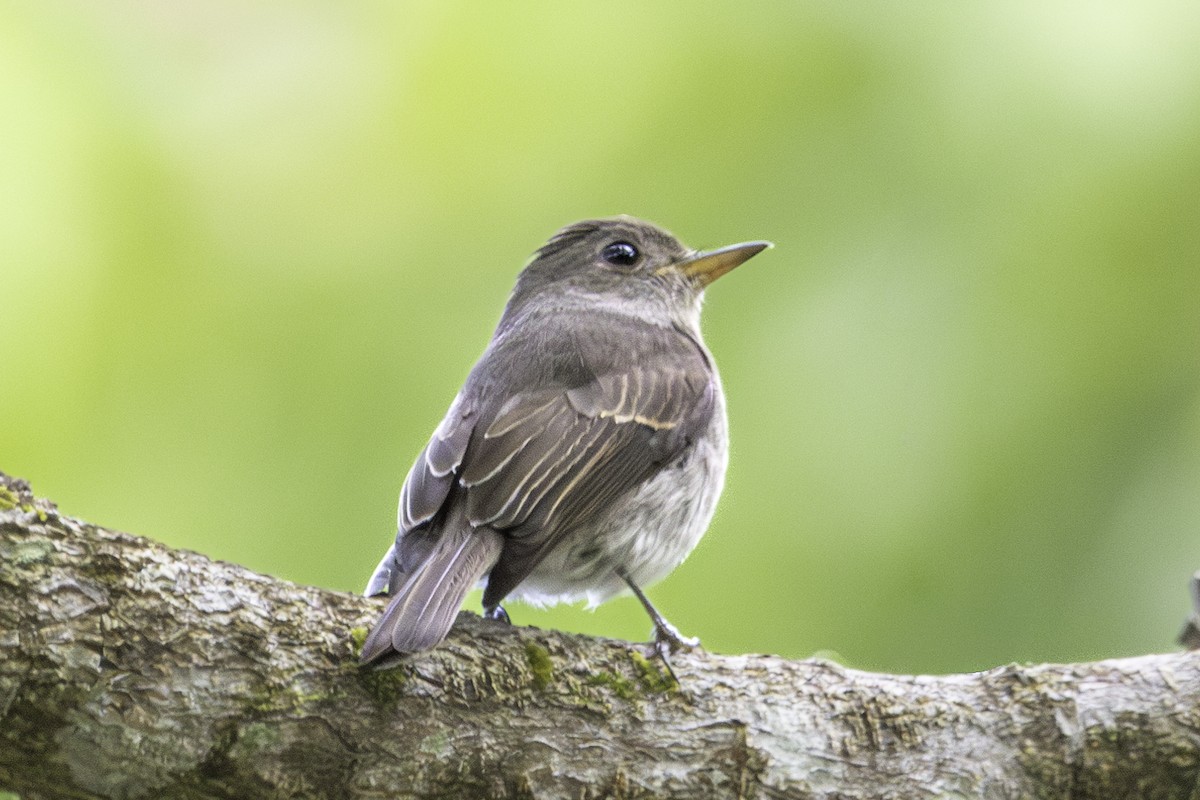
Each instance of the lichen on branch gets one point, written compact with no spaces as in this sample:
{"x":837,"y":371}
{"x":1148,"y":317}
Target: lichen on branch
{"x":131,"y":670}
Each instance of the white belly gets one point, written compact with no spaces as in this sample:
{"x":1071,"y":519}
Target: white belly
{"x":655,"y":529}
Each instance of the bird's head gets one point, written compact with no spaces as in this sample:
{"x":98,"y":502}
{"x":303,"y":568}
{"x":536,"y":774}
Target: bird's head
{"x":628,"y":266}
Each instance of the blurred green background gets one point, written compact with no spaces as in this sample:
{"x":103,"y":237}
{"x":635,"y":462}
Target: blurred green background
{"x":248,"y":252}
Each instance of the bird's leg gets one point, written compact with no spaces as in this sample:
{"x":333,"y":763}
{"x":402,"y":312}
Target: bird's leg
{"x":497,"y":614}
{"x":667,"y":638}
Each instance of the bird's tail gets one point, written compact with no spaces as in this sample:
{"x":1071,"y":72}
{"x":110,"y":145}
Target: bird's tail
{"x":423,"y":608}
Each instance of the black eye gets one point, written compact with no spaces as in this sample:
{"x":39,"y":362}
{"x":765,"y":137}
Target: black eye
{"x":623,"y":254}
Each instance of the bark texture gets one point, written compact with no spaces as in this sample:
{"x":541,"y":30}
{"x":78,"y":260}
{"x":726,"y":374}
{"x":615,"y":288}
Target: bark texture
{"x":129,"y":670}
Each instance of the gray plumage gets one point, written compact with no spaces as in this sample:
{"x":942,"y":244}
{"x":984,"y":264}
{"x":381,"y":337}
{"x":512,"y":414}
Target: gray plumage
{"x":586,"y":449}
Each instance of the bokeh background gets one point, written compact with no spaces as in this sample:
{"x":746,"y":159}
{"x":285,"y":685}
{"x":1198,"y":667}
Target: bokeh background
{"x":248,"y":251}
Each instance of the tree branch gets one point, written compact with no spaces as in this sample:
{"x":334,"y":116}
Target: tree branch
{"x":129,"y":670}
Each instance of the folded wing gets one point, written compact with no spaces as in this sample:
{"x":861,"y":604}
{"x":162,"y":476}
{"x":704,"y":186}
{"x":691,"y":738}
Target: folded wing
{"x":536,"y":464}
{"x":553,"y":458}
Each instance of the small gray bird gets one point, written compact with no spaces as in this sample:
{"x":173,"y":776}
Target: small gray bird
{"x":585,"y":452}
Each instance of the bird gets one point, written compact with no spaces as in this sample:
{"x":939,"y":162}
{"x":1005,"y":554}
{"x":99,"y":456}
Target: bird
{"x":585,"y":453}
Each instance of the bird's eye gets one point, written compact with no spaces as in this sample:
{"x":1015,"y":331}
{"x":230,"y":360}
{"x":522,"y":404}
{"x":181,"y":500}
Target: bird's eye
{"x":622,"y":254}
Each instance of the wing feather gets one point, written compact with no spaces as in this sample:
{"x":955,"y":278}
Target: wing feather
{"x":432,"y":475}
{"x":602,"y":439}
{"x":533,"y":464}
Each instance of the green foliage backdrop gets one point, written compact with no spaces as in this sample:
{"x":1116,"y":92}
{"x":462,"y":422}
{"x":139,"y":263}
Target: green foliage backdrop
{"x":248,"y":251}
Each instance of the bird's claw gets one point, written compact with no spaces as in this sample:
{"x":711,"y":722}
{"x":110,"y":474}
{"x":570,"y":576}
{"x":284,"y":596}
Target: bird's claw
{"x":667,"y":636}
{"x":497,"y":614}
{"x":668,"y":640}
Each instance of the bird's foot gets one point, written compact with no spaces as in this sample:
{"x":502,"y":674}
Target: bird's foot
{"x":667,"y":641}
{"x":668,"y":636}
{"x":497,"y":614}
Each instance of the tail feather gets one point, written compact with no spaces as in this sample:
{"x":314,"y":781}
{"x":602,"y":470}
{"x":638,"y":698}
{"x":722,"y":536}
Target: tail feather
{"x":423,"y":609}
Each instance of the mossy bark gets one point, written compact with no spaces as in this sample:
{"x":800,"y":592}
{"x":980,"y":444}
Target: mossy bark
{"x":129,"y":670}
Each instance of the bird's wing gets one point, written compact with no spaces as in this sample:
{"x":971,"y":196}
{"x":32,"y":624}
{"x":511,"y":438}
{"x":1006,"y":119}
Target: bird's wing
{"x":432,"y":475}
{"x":550,"y":458}
{"x":424,"y":494}
{"x":543,"y":460}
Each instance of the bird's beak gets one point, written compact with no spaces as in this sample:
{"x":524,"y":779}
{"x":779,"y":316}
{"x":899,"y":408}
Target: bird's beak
{"x":707,"y":266}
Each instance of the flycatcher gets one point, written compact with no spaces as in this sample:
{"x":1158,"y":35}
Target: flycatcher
{"x":586,"y":451}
